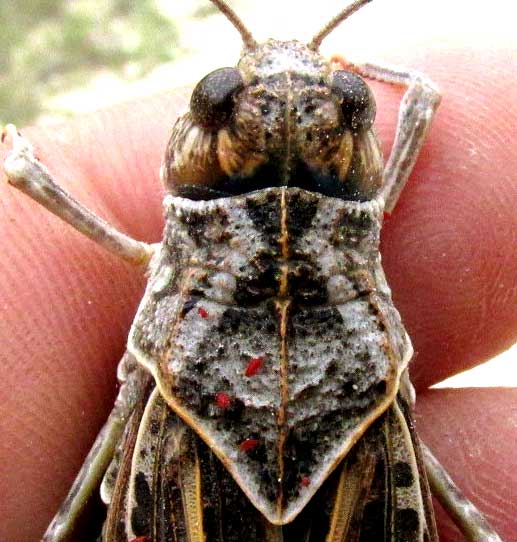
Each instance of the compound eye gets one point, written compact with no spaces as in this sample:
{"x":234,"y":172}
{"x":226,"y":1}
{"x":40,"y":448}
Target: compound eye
{"x":357,"y":101}
{"x":212,"y":101}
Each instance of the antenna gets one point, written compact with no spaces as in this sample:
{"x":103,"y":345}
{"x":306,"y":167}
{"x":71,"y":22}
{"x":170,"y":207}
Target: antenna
{"x":227,"y":11}
{"x":333,"y":23}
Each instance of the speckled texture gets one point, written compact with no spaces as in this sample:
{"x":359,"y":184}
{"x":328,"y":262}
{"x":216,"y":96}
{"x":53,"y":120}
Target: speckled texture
{"x":292,"y":279}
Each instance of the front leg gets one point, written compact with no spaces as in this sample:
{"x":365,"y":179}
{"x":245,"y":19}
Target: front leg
{"x":28,"y":174}
{"x":416,"y":112}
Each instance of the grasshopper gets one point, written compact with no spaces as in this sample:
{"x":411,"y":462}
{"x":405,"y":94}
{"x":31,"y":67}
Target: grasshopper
{"x":264,"y":394}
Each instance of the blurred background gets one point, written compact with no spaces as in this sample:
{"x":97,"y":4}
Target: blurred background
{"x":63,"y":57}
{"x":60,"y":58}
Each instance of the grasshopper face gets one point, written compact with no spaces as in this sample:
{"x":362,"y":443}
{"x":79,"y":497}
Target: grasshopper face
{"x":283,"y":117}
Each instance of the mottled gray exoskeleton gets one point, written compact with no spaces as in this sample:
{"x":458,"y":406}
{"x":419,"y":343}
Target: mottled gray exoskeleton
{"x":264,"y":393}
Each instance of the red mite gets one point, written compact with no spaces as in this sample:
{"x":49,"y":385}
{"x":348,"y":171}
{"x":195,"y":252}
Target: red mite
{"x":223,"y":400}
{"x":254,"y":366}
{"x":305,"y":481}
{"x":248,"y":444}
{"x":202,"y":312}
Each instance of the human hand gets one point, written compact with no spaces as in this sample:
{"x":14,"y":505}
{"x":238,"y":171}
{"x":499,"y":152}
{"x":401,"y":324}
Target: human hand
{"x":448,"y":250}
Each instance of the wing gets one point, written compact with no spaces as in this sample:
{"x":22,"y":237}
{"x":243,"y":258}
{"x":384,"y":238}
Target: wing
{"x":171,"y":487}
{"x":382,"y":493}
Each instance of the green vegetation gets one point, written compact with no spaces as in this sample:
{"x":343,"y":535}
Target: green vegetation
{"x":50,"y":46}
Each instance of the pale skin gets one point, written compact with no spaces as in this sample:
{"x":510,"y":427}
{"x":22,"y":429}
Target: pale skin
{"x":449,"y":253}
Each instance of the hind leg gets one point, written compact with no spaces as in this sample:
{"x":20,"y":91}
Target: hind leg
{"x":465,"y":515}
{"x":133,"y":385}
{"x":469,"y":520}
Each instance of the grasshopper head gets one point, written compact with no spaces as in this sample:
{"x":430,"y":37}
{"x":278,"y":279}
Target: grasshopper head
{"x":284,"y":116}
